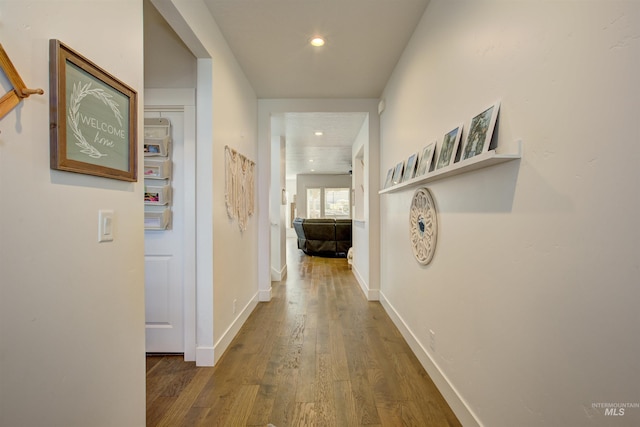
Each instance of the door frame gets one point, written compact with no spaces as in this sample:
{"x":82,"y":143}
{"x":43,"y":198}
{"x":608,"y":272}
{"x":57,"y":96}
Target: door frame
{"x":184,"y":100}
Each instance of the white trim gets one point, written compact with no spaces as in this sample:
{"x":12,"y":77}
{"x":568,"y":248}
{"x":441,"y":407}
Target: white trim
{"x":183,"y":17}
{"x":276,"y":275}
{"x":189,"y":154}
{"x":225,"y":340}
{"x":264,"y":295}
{"x":371,"y":294}
{"x":204,"y":356}
{"x":184,"y":99}
{"x":465,"y":414}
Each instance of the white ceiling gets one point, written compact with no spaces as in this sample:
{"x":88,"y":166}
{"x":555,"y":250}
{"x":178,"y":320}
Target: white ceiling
{"x":364,"y":40}
{"x":329,"y":153}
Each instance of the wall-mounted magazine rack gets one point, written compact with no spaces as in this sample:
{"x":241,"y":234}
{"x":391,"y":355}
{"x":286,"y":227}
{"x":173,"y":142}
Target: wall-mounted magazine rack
{"x":157,"y":220}
{"x":157,"y":136}
{"x":159,"y":147}
{"x":157,"y":194}
{"x":157,"y":171}
{"x":157,"y":168}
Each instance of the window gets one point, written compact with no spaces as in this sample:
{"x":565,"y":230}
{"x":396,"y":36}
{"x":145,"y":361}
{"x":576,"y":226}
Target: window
{"x":328,"y":203}
{"x":336,"y":203}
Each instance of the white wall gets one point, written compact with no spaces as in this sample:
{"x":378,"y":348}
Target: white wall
{"x":362,"y":165}
{"x":532,"y":293}
{"x":168,"y":64}
{"x":292,"y":196}
{"x":278,"y":215}
{"x":227,"y":115}
{"x":71,"y":309}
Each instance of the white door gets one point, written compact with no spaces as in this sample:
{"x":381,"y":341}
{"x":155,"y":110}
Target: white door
{"x":164,"y":259}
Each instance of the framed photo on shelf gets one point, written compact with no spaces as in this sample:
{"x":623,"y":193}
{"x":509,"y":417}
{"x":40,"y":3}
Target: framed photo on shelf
{"x":93,"y":118}
{"x":480,"y":132}
{"x":389,"y":181}
{"x":426,"y":159}
{"x":410,"y":170}
{"x":397,"y":174}
{"x":449,"y":147}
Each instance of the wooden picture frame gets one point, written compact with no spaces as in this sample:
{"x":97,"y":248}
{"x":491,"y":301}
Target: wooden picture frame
{"x":93,"y":118}
{"x":480,"y":132}
{"x":449,"y":147}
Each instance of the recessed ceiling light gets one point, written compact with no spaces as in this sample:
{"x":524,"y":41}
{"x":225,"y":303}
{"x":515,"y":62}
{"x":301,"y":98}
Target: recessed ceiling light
{"x":318,"y":133}
{"x":310,"y":160}
{"x":317,"y":41}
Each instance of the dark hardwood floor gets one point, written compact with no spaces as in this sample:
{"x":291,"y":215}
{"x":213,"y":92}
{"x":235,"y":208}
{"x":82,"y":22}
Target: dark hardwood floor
{"x":317,"y":354}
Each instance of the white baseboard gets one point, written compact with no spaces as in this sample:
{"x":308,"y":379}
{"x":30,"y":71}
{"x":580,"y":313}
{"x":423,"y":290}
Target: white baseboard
{"x":372,"y":295}
{"x":265,"y":295}
{"x":204,"y":356}
{"x":276,"y":275}
{"x":456,"y":402}
{"x":233,"y":329}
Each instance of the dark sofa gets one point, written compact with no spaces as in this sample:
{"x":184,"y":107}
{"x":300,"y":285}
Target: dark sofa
{"x":323,"y":236}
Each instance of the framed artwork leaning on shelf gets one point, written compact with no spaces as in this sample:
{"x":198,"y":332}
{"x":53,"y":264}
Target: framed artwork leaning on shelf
{"x":449,"y":147}
{"x":410,"y":170}
{"x":481,"y":132}
{"x":389,"y":181}
{"x":397,"y":174}
{"x":426,"y":159}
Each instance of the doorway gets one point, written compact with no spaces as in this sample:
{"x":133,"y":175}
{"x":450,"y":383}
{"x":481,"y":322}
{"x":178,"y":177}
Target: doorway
{"x":170,"y":253}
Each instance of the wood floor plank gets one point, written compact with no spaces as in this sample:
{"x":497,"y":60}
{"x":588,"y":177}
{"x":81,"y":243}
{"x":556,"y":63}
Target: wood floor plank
{"x":260,"y":414}
{"x":317,"y":354}
{"x":263,"y":406}
{"x":194,"y":417}
{"x":325,"y":409}
{"x":391,"y":414}
{"x":422,"y":389}
{"x":346,"y":414}
{"x":303,"y":414}
{"x":184,"y":402}
{"x":283,"y":408}
{"x":243,"y":398}
{"x":383,"y":372}
{"x":306,"y":386}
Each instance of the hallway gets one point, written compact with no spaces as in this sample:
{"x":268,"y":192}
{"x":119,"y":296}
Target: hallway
{"x":317,"y":354}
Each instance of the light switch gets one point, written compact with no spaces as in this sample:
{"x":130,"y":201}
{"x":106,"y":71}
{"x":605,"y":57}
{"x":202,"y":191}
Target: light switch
{"x":105,"y":226}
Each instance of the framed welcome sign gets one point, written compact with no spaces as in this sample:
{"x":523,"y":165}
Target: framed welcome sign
{"x":93,"y":118}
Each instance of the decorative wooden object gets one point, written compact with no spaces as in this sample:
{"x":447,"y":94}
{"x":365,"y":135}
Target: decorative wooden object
{"x":423,"y":226}
{"x":20,"y":91}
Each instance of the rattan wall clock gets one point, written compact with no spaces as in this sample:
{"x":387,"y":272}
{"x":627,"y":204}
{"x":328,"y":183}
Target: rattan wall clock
{"x":423,"y":226}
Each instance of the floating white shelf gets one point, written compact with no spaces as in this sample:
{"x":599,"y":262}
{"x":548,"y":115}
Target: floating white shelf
{"x":480,"y":161}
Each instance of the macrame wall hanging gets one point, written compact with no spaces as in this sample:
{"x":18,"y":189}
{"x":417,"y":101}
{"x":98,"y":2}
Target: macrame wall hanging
{"x":239,"y":186}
